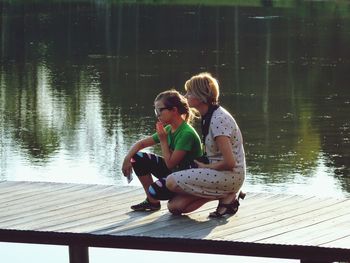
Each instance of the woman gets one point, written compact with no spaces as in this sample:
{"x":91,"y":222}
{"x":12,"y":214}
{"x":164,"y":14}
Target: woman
{"x":180,"y":145}
{"x":222,"y":178}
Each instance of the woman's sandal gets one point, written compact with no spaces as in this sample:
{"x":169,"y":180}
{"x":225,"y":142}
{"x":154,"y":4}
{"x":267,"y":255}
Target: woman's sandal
{"x":230,"y":209}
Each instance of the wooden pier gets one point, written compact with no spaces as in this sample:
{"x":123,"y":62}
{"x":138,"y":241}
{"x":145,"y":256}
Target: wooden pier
{"x":311,"y":229}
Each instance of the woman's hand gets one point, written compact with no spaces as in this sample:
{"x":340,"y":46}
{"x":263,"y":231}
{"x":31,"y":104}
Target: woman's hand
{"x":161,"y":131}
{"x":201,"y":165}
{"x":228,"y":162}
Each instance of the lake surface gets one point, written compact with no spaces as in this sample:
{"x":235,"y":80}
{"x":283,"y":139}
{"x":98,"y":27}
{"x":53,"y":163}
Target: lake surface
{"x":78,"y":80}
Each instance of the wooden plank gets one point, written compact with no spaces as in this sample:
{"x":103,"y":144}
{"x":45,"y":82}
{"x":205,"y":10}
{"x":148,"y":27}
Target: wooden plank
{"x":34,"y":199}
{"x":29,"y":192}
{"x":341,"y":242}
{"x":77,"y":222}
{"x":163,"y":227}
{"x":54,"y":197}
{"x":317,"y":232}
{"x":58,"y":209}
{"x":281,"y":220}
{"x":96,"y":215}
{"x":52,"y":193}
{"x":249,"y":219}
{"x":65,"y":199}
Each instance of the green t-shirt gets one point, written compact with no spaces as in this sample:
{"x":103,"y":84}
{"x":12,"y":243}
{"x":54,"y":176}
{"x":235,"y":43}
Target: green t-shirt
{"x":185,"y":138}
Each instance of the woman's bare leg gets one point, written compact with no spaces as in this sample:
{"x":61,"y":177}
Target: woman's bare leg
{"x":184,"y":203}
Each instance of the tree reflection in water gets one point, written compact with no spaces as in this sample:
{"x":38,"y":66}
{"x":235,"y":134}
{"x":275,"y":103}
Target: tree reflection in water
{"x":77,"y":81}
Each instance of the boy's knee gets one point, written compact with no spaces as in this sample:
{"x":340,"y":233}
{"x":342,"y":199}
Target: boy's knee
{"x":140,"y":163}
{"x":158,"y":190}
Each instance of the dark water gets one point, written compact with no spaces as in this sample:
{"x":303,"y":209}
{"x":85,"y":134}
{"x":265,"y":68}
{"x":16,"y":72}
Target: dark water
{"x":77,"y":81}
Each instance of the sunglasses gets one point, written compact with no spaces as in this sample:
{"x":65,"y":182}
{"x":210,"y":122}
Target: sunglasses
{"x":158,"y":111}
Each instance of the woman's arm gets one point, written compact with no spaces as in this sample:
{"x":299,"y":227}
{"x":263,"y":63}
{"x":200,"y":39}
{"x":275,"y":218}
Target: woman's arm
{"x":225,"y":147}
{"x":139,"y":145}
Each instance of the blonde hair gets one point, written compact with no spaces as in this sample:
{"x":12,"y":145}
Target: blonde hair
{"x":204,"y":87}
{"x":172,"y":98}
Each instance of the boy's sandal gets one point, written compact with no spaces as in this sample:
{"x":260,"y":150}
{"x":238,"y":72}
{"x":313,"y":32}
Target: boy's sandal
{"x":146,"y":206}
